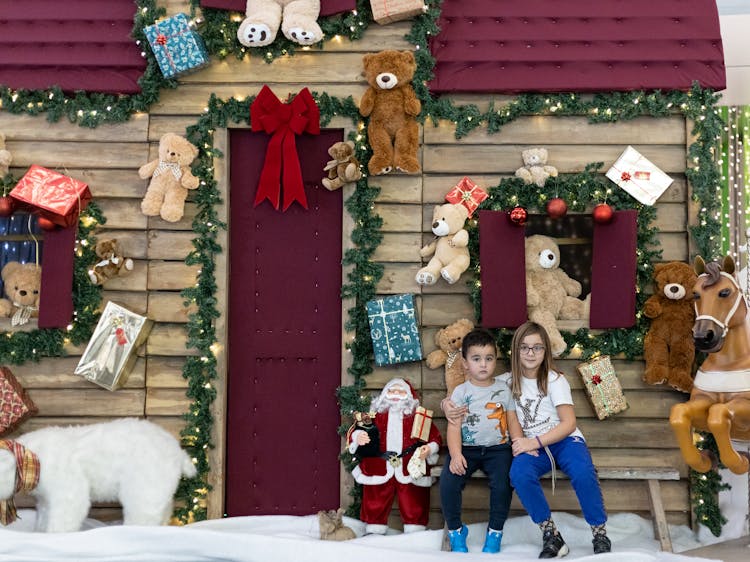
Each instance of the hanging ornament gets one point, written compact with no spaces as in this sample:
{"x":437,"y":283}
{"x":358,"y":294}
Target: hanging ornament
{"x":6,"y":206}
{"x":518,"y":216}
{"x":602,"y":213}
{"x":557,"y":208}
{"x":46,"y":224}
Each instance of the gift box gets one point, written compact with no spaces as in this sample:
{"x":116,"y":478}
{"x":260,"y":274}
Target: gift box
{"x":468,"y":194}
{"x":15,"y":404}
{"x":52,"y":195}
{"x":387,"y":11}
{"x":177,"y":48}
{"x":603,"y":387}
{"x":111,"y":352}
{"x":393,"y":329}
{"x":638,"y":176}
{"x":420,"y":429}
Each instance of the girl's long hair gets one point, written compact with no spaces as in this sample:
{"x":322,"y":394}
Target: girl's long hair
{"x":529,"y":329}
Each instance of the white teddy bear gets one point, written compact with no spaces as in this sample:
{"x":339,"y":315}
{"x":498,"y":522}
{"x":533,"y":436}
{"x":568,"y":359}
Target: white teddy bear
{"x":263,"y":18}
{"x":534,"y":169}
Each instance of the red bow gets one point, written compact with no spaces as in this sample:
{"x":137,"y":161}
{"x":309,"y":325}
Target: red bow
{"x":161,"y":39}
{"x":284,"y":121}
{"x":625,"y":176}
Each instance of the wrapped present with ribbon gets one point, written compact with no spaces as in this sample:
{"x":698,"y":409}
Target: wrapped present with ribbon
{"x":281,"y":166}
{"x":52,"y":195}
{"x":639,"y":176}
{"x":387,"y":11}
{"x":393,"y":329}
{"x":177,"y":48}
{"x":602,"y":387}
{"x":15,"y":404}
{"x":111,"y":351}
{"x":468,"y":194}
{"x":420,"y":429}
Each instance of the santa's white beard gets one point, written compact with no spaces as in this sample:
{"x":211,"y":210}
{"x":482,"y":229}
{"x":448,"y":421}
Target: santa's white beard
{"x":404,"y":406}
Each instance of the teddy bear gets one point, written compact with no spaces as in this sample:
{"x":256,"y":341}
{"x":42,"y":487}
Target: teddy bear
{"x":111,"y":261}
{"x":449,"y":340}
{"x":171,"y":177}
{"x":535,"y":169}
{"x":550,"y":293}
{"x":344,"y":168}
{"x":392,"y":106}
{"x":668,"y":346}
{"x":22,"y":283}
{"x":449,"y":249}
{"x":263,"y":18}
{"x":5,"y":157}
{"x":332,"y":526}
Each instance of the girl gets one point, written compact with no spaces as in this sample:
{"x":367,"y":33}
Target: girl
{"x":544,"y":407}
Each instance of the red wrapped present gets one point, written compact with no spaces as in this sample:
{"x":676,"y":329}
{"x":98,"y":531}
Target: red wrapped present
{"x":15,"y":404}
{"x":468,"y":194}
{"x":387,"y":11}
{"x":52,"y":195}
{"x":420,"y":429}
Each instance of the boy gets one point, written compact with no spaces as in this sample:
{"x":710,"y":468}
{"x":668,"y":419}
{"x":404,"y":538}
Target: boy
{"x":482,"y":441}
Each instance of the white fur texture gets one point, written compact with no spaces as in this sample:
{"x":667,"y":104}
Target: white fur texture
{"x":131,"y":461}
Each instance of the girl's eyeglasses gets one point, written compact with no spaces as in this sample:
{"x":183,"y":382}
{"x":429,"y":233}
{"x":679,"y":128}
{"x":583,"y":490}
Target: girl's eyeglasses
{"x":531,"y":349}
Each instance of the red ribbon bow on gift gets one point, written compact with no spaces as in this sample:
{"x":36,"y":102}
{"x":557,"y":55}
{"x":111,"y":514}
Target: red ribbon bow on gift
{"x":283,"y":121}
{"x":596,"y":379}
{"x":161,"y":39}
{"x":625,"y":176}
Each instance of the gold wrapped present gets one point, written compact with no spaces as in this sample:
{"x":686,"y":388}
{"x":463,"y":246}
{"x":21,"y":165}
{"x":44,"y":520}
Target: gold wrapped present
{"x":603,"y":387}
{"x":111,"y":351}
{"x":420,"y":429}
{"x":387,"y":11}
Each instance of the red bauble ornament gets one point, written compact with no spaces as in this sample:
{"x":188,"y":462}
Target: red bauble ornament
{"x":602,"y":213}
{"x":518,"y":216}
{"x":46,"y":224}
{"x":557,"y":208}
{"x":6,"y":206}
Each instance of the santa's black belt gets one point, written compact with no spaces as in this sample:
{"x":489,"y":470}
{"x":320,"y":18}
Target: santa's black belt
{"x":395,"y":458}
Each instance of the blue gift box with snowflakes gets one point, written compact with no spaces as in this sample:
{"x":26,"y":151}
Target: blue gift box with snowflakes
{"x":177,"y":47}
{"x":393,"y":329}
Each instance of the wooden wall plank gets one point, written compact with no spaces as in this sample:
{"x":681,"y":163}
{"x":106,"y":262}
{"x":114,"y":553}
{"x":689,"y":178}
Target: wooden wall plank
{"x":135,"y":301}
{"x":168,"y":339}
{"x":170,"y":245}
{"x":134,"y":280}
{"x":32,"y":128}
{"x":71,"y":155}
{"x":165,"y":372}
{"x":57,"y":373}
{"x":400,"y":218}
{"x":168,"y":307}
{"x":92,"y":401}
{"x":171,"y":276}
{"x":123,"y":213}
{"x":166,"y":401}
{"x":398,"y":247}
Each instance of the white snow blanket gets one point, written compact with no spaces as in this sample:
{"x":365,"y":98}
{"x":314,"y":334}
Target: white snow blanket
{"x":283,"y":538}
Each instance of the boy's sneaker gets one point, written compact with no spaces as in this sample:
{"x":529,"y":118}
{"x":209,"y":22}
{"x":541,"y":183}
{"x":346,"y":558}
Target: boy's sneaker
{"x":602,"y":544}
{"x":492,"y":541}
{"x":553,"y":545}
{"x":457,"y":539}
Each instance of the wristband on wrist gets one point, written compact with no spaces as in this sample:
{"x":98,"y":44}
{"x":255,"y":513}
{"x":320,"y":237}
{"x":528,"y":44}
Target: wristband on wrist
{"x":540,"y":442}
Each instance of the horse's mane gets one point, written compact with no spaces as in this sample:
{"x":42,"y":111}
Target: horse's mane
{"x":713,"y":271}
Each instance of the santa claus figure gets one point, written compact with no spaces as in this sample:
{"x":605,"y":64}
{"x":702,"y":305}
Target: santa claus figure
{"x":390,"y":473}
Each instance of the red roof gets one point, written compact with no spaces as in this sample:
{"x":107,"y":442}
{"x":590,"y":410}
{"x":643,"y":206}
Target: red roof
{"x":510,"y":46}
{"x":73,"y":44}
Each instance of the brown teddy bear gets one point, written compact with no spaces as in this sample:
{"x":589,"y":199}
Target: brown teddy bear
{"x":550,"y":293}
{"x":5,"y":157}
{"x":668,"y":347}
{"x":449,"y":249}
{"x":535,"y":169}
{"x":391,"y":105}
{"x":171,"y":177}
{"x":344,"y":168}
{"x":449,"y":340}
{"x":22,"y":284}
{"x":112,"y":263}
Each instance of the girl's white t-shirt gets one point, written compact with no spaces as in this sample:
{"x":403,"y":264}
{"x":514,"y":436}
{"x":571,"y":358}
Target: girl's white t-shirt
{"x":536,"y":413}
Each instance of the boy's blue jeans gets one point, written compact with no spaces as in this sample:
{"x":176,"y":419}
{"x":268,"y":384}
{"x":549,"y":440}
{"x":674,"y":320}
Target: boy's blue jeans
{"x":495,"y":463}
{"x":573,"y":458}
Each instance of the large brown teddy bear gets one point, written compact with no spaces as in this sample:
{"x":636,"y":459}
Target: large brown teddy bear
{"x":391,"y":105}
{"x":449,"y":340}
{"x":449,"y":249}
{"x":171,"y":178}
{"x":550,"y":293}
{"x":668,"y":347}
{"x":22,"y":284}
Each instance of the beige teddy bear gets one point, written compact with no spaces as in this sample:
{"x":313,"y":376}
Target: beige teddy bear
{"x":332,"y":526}
{"x":22,"y":283}
{"x":449,"y":249}
{"x":449,"y":340}
{"x":111,"y":261}
{"x":171,"y":177}
{"x":550,"y":293}
{"x":5,"y":158}
{"x":263,"y":18}
{"x":535,"y":169}
{"x":344,"y":168}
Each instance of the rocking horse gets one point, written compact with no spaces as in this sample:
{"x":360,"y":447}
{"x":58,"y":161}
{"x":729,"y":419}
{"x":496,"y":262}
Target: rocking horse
{"x":720,"y":400}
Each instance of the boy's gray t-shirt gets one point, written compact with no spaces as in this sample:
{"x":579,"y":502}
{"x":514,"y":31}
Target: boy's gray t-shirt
{"x":486,"y":423}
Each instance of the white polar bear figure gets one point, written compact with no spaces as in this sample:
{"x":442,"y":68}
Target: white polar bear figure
{"x":263,"y":18}
{"x":131,"y":461}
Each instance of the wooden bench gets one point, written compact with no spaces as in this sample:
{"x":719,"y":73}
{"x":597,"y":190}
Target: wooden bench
{"x":652,"y":475}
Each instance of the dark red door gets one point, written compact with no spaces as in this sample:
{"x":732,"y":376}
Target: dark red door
{"x":284,"y":338}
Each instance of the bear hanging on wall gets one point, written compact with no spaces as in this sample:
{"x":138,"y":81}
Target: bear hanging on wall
{"x":264,"y":17}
